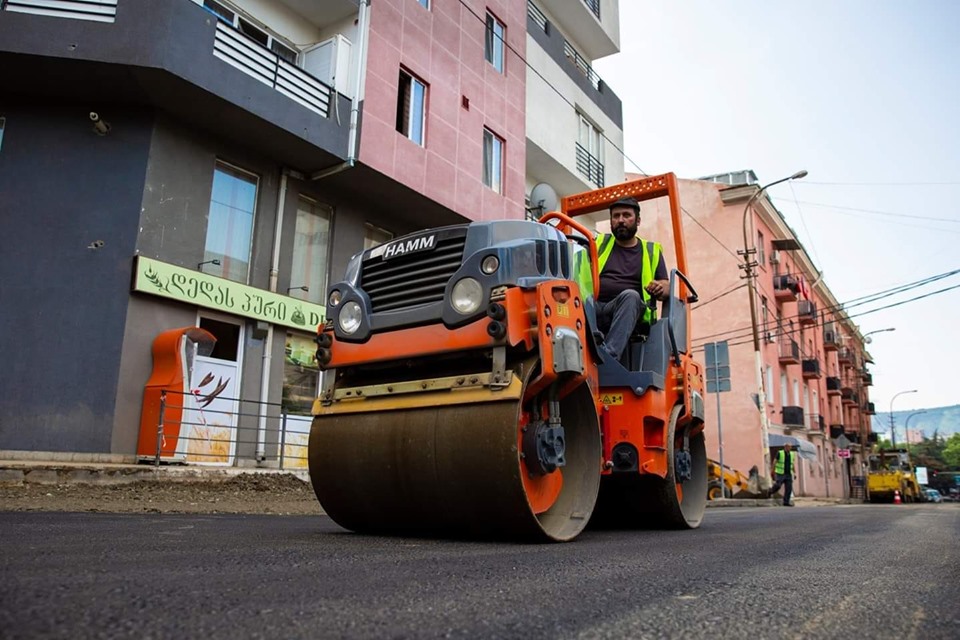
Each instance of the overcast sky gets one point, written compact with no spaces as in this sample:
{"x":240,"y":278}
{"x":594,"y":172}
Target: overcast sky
{"x":861,"y":93}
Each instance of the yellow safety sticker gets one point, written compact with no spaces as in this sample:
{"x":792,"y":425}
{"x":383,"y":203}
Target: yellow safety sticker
{"x":612,"y":398}
{"x":563,"y":310}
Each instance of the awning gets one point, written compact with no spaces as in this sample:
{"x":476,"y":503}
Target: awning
{"x":805,"y":448}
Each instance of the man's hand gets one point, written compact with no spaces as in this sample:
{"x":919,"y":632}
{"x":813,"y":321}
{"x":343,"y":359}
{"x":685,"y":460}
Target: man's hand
{"x":658,"y":289}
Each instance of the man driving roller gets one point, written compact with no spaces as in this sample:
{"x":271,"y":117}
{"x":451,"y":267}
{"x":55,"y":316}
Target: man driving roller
{"x":633,"y":275}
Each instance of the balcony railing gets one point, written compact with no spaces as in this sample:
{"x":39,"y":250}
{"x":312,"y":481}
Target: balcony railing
{"x":786,"y":288}
{"x":581,"y":64}
{"x":792,"y":416}
{"x":867,"y":379}
{"x":869,"y":408}
{"x":816,"y":423}
{"x":594,"y":6}
{"x":96,"y":10}
{"x":535,"y":14}
{"x":789,"y":351}
{"x":845,"y":355}
{"x":833,"y":386}
{"x":848,"y":397}
{"x":811,"y":368}
{"x":831,"y":340}
{"x":806,"y":312}
{"x":589,"y":166}
{"x":252,"y":58}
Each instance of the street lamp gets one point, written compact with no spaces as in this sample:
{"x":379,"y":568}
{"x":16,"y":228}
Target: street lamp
{"x":866,"y":336}
{"x":893,"y":432}
{"x":751,"y":275}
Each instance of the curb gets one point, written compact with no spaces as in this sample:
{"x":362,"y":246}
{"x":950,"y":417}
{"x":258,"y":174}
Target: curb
{"x":20,"y":472}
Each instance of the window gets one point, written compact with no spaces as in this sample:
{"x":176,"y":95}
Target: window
{"x":589,"y":157}
{"x":373,"y":236}
{"x":769,"y":383}
{"x":230,"y":223}
{"x":424,"y":3}
{"x":493,"y":45}
{"x":222,"y":13}
{"x":311,"y":251}
{"x":227,"y":334}
{"x":761,"y":255}
{"x":301,"y":374}
{"x":783,"y":389}
{"x":3,"y":124}
{"x":492,"y":160}
{"x":411,"y":107}
{"x":228,"y":16}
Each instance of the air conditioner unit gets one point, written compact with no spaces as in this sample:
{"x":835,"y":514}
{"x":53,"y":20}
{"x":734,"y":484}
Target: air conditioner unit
{"x":768,"y":336}
{"x":775,"y":257}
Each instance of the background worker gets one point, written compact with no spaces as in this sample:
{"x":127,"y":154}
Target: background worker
{"x":785,"y":469}
{"x":633,"y":275}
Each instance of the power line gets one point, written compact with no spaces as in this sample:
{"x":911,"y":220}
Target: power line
{"x":884,"y":184}
{"x":881,"y":213}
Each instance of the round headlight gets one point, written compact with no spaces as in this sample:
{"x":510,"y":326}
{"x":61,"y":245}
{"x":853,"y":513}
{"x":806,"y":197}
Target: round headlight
{"x":334,"y":298}
{"x":490,"y":264}
{"x":467,"y":296}
{"x":349,"y":318}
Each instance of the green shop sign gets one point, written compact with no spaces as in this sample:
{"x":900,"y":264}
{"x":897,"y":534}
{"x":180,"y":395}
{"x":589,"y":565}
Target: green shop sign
{"x":185,"y":285}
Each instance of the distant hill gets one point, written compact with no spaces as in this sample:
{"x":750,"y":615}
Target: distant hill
{"x":942,"y":420}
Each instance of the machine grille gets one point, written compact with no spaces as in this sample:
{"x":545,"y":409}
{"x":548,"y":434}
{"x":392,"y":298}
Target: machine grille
{"x":412,"y":280}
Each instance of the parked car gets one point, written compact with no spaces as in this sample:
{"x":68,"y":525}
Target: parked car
{"x":933,"y":495}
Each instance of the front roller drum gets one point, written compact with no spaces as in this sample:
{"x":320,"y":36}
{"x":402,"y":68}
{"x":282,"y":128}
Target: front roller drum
{"x":455,"y":469}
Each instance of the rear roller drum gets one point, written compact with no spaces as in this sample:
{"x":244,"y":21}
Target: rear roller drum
{"x":677,"y":501}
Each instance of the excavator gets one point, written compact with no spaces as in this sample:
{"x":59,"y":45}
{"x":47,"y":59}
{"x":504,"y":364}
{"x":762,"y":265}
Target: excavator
{"x":465,"y":394}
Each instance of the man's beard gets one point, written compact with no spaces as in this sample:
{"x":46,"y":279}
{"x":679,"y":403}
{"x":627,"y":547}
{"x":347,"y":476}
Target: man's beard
{"x":624,"y":232}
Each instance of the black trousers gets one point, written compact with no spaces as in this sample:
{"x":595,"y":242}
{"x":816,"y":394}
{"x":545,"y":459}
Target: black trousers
{"x":786,"y":481}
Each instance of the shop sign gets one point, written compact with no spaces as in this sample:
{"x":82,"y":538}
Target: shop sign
{"x":211,"y":292}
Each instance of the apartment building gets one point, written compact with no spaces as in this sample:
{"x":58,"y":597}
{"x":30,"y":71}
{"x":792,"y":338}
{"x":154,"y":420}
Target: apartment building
{"x":211,"y":165}
{"x":574,"y":123}
{"x":814,"y":374}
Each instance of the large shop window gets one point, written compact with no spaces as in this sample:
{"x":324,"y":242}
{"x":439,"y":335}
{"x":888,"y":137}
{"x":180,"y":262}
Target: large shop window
{"x":230,"y":224}
{"x":301,"y":374}
{"x":311,"y":251}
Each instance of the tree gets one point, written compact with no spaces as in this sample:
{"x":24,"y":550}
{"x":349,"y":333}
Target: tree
{"x":951,"y":452}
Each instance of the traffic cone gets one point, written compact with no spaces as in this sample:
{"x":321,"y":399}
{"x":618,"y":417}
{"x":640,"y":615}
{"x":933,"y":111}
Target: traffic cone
{"x":896,"y":497}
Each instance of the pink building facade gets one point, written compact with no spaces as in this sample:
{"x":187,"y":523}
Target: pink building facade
{"x":813,"y":360}
{"x":466,"y":97}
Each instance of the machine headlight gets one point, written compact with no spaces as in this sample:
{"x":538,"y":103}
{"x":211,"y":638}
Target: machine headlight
{"x":490,"y":264}
{"x":334,"y":298}
{"x":350,"y":316}
{"x":467,"y":296}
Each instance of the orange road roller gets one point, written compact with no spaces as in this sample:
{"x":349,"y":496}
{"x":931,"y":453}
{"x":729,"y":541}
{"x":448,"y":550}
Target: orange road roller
{"x":465,"y":393}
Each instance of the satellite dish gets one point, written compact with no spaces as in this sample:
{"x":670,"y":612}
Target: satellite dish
{"x":544,"y":198}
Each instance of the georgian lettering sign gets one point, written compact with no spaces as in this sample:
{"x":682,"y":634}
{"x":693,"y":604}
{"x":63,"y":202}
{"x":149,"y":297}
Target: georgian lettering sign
{"x":192,"y":287}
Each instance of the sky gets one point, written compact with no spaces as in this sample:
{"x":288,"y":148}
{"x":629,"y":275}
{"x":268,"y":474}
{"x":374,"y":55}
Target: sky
{"x":864,"y":95}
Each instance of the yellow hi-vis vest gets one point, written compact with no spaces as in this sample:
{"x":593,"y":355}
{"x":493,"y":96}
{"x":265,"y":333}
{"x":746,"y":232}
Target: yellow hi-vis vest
{"x":782,"y":460}
{"x":651,"y":258}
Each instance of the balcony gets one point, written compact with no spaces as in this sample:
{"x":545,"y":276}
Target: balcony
{"x":806,"y":312}
{"x":785,"y":288}
{"x":596,"y":33}
{"x":831,"y":339}
{"x":789,"y":351}
{"x":849,"y":398}
{"x":793,"y":417}
{"x":589,"y":166}
{"x":869,"y":408}
{"x":581,"y":65}
{"x":845,"y":355}
{"x":816,"y":423}
{"x":833,"y":386}
{"x":811,"y":368}
{"x":836,"y":430}
{"x":173,"y":56}
{"x":867,"y":379}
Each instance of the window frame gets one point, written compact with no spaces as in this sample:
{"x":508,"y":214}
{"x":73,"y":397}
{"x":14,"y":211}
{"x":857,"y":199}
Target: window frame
{"x":245,"y":25}
{"x":370,"y":230}
{"x":496,"y":142}
{"x":494,"y":43}
{"x":316,"y":293}
{"x":406,"y":95}
{"x":255,"y":179}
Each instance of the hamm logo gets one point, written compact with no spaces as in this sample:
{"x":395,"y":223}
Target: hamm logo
{"x":413,"y":245}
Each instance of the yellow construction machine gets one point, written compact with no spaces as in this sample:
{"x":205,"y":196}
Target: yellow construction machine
{"x":465,"y":393}
{"x":890,"y":472}
{"x":737,"y":484}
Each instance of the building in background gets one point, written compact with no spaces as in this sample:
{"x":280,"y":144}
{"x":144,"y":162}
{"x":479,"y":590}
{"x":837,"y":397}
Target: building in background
{"x":574,"y":121}
{"x":813,"y":358}
{"x":212,"y":164}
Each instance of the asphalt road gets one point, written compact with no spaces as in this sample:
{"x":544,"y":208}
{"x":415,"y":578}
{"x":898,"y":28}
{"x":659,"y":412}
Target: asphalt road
{"x":876,"y":571}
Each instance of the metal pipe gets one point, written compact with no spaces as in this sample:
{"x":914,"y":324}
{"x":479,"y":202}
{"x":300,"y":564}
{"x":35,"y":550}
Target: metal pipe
{"x":893,"y":429}
{"x":351,"y":161}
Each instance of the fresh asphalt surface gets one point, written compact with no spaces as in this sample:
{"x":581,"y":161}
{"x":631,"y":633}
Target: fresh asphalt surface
{"x":874,"y":571}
